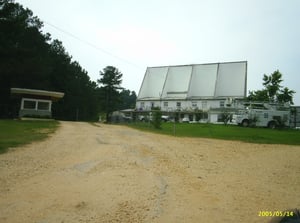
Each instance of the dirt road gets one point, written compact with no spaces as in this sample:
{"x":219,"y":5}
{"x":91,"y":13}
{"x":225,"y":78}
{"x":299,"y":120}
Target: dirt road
{"x":88,"y":173}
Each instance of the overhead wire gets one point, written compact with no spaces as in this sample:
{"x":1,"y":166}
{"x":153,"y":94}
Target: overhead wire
{"x":93,"y":45}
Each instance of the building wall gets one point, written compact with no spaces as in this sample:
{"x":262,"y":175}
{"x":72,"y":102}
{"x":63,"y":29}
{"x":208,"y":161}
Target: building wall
{"x":182,"y":105}
{"x":34,"y":113}
{"x":214,"y":108}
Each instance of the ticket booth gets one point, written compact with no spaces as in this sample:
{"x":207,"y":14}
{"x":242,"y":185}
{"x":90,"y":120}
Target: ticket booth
{"x":36,"y":103}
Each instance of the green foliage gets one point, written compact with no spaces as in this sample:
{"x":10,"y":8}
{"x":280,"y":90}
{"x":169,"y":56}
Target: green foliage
{"x":272,"y":84}
{"x":273,"y":91}
{"x":14,"y":133}
{"x":156,"y":118}
{"x":127,"y":99}
{"x":30,"y":59}
{"x":226,"y":116}
{"x":259,"y":95}
{"x":286,"y":95}
{"x":228,"y":132}
{"x":111,"y":79}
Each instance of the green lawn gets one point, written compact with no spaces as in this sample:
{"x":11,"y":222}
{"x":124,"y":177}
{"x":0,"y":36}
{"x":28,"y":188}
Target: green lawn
{"x":229,"y":132}
{"x":14,"y":132}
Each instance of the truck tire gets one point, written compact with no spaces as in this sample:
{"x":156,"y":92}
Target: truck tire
{"x":272,"y":125}
{"x":245,"y":123}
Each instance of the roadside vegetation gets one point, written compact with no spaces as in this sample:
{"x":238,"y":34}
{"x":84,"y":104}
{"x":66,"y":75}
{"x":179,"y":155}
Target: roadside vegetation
{"x":31,"y":58}
{"x":15,"y":132}
{"x":226,"y":132}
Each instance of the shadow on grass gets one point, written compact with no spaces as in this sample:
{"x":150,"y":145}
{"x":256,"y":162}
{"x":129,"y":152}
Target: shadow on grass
{"x":15,"y":133}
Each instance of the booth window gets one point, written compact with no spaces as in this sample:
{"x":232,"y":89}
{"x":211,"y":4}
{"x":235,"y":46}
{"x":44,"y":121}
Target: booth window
{"x":43,"y":105}
{"x":29,"y":104}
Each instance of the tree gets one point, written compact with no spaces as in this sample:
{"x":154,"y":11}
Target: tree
{"x":272,"y":91}
{"x":259,"y":95}
{"x":22,"y":51}
{"x":127,"y":99}
{"x":272,"y":84}
{"x":111,"y":79}
{"x":29,"y":59}
{"x":286,"y":95}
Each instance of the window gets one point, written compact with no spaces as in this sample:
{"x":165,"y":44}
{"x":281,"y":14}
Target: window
{"x":178,"y":104}
{"x":194,"y":104}
{"x":36,"y":104}
{"x":204,"y":104}
{"x":43,"y":105}
{"x":152,"y":104}
{"x":142,"y":104}
{"x":222,"y":103}
{"x":165,"y":104}
{"x":29,"y":104}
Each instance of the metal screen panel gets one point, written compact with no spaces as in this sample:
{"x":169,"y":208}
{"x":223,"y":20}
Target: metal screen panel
{"x":153,"y":82}
{"x":231,"y":80}
{"x":177,"y":82}
{"x":203,"y":80}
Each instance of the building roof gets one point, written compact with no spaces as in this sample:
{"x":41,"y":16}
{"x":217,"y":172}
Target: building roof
{"x":196,"y":81}
{"x":24,"y":91}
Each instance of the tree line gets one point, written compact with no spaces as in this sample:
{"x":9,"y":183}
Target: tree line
{"x":31,"y":59}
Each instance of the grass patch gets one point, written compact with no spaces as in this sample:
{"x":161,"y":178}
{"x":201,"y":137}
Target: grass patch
{"x":14,"y":133}
{"x":229,"y":132}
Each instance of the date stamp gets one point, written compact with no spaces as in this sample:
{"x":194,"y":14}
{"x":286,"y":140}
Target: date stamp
{"x":275,"y":213}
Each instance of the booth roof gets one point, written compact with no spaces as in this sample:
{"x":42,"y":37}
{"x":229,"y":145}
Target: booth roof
{"x":52,"y":94}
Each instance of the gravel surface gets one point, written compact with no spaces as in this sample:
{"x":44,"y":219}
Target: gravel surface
{"x":107,"y":173}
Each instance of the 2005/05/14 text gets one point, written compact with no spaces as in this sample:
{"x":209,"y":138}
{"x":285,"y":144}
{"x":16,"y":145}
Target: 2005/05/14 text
{"x":275,"y":213}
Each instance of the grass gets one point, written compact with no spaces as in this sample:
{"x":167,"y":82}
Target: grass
{"x":14,"y":133}
{"x":229,"y":132}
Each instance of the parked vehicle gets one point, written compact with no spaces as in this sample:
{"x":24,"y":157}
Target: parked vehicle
{"x":143,"y":118}
{"x":261,"y":118}
{"x":165,"y":118}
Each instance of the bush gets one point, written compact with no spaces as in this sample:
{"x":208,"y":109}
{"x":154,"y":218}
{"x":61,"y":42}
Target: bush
{"x":156,"y":118}
{"x":226,"y":117}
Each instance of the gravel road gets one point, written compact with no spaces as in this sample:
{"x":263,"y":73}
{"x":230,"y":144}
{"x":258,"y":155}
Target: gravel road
{"x":105,"y":173}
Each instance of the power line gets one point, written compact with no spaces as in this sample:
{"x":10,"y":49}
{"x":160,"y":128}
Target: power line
{"x":93,"y":46}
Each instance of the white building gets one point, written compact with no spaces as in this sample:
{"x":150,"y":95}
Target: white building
{"x":207,"y":88}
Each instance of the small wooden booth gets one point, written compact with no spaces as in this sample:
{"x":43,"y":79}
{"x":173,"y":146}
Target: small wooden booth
{"x":36,"y":103}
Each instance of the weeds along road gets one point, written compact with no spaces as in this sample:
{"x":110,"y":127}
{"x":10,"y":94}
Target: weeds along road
{"x":106,"y":173}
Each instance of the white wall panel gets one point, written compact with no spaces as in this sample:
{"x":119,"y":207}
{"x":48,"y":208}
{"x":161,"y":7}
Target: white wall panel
{"x":203,"y":80}
{"x":231,"y":80}
{"x":153,"y":82}
{"x":177,"y":82}
{"x":195,"y":81}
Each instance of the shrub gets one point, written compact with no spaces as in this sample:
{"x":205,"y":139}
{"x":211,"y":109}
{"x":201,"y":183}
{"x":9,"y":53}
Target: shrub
{"x":156,"y":118}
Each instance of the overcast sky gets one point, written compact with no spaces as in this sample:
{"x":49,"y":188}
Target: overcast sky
{"x":135,"y":34}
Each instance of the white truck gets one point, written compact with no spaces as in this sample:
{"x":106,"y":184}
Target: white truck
{"x":261,"y":118}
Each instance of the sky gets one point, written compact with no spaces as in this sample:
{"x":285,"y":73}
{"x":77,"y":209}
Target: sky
{"x":135,"y":34}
